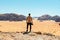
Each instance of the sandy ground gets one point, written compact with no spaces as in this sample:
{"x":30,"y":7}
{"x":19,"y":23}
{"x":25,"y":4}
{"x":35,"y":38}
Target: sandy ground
{"x":38,"y":26}
{"x":30,"y":36}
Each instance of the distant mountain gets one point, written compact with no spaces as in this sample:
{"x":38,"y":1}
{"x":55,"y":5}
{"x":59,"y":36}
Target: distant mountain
{"x":12,"y":17}
{"x":45,"y":17}
{"x":48,"y":17}
{"x":16,"y":17}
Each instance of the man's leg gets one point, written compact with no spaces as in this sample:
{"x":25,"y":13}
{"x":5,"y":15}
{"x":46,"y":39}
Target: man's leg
{"x":27,"y":28}
{"x":30,"y":27}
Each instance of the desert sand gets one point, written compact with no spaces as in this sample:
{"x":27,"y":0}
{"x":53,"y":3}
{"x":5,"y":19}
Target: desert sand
{"x":30,"y":36}
{"x":13,"y":30}
{"x":47,"y":26}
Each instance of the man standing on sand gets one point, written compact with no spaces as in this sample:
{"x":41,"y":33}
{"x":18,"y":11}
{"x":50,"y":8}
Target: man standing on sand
{"x":29,"y":22}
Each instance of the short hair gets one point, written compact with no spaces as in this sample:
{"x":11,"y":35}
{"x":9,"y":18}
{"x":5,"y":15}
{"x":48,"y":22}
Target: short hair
{"x":29,"y":14}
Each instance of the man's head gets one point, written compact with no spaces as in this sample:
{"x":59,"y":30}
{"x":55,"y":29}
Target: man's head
{"x":29,"y":14}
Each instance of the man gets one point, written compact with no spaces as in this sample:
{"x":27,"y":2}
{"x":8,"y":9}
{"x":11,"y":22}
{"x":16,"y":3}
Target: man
{"x":29,"y":22}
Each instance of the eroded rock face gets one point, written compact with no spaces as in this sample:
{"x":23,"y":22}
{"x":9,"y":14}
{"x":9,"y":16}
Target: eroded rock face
{"x":30,"y":36}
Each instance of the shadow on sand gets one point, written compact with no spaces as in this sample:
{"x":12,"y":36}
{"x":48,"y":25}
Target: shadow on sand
{"x":26,"y":32}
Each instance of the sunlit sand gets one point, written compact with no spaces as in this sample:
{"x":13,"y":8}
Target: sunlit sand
{"x":47,"y":26}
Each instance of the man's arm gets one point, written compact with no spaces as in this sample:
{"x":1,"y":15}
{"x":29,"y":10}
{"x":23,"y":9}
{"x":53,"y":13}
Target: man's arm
{"x":32,"y":19}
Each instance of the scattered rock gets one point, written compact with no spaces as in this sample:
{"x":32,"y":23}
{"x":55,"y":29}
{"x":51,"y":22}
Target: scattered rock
{"x":38,"y":33}
{"x":49,"y":34}
{"x":59,"y":23}
{"x":29,"y":36}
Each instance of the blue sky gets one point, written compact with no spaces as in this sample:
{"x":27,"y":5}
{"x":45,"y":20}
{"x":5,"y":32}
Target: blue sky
{"x":35,"y":7}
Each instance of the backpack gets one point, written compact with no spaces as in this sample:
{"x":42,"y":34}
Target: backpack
{"x":29,"y":19}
